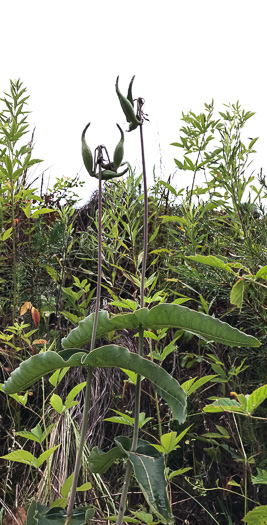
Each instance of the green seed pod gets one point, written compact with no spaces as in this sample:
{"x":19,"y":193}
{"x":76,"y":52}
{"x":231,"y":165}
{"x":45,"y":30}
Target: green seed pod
{"x":87,"y":154}
{"x":119,"y":151}
{"x":129,"y":95}
{"x":127,"y":106}
{"x":132,"y":126}
{"x":108,"y":174}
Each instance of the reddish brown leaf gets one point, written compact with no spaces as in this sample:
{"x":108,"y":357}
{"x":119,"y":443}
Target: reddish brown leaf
{"x":25,"y":307}
{"x":39,"y":342}
{"x":35,"y":315}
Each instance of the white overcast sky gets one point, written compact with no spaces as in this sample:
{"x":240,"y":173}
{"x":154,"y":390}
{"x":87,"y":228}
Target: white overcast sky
{"x":183,"y":53}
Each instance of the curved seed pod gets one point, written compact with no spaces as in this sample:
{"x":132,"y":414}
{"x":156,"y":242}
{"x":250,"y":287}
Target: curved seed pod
{"x":87,"y":154}
{"x":108,"y":174}
{"x":127,"y":107}
{"x":119,"y":151}
{"x":132,"y":126}
{"x":129,"y":95}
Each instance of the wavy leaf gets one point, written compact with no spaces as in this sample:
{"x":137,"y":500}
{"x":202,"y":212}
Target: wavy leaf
{"x":104,"y":357}
{"x":167,"y":387}
{"x":36,"y":367}
{"x":161,"y":316}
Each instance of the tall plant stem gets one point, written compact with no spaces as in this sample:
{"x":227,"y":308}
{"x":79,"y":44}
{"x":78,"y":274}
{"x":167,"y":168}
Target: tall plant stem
{"x":90,"y":369}
{"x":195,"y":172}
{"x":14,"y":262}
{"x":128,"y":472}
{"x":142,"y":291}
{"x":246,"y":464}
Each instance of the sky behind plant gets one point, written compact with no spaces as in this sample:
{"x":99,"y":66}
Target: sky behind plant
{"x":183,"y":53}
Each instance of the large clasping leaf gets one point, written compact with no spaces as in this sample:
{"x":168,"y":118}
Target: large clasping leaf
{"x":104,"y":357}
{"x":161,"y":316}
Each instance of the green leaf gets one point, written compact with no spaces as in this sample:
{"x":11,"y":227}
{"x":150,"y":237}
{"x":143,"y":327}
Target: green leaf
{"x":160,"y":316}
{"x":256,"y":398}
{"x":40,"y":515}
{"x":132,"y":376}
{"x":57,"y":376}
{"x":99,"y":462}
{"x":45,"y":455}
{"x":41,"y":211}
{"x":7,"y":234}
{"x":123,"y":419}
{"x":169,"y":187}
{"x":28,"y":435}
{"x":178,"y":472}
{"x":37,"y":431}
{"x":36,"y":367}
{"x":56,"y":403}
{"x":211,"y":260}
{"x":167,"y":387}
{"x":237,"y":293}
{"x":74,"y":392}
{"x":257,"y":516}
{"x":223,"y":431}
{"x":260,"y":478}
{"x":67,"y":486}
{"x":262,"y":273}
{"x":149,"y":470}
{"x":105,"y":357}
{"x":224,"y":405}
{"x":21,"y":456}
{"x":213,"y":435}
{"x":170,"y":441}
{"x":52,"y":272}
{"x":84,"y":487}
{"x":191,"y":385}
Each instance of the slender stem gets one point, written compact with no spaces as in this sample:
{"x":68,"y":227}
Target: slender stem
{"x":128,"y":471}
{"x":82,"y":439}
{"x":158,"y":415}
{"x":245,"y":467}
{"x":195,"y":172}
{"x":46,"y":444}
{"x":14,"y":254}
{"x":93,"y":338}
{"x":142,"y":291}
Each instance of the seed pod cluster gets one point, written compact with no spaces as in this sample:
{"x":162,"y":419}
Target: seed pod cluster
{"x":109,"y":170}
{"x":127,"y":105}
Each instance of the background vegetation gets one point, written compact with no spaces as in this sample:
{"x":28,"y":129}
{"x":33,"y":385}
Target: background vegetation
{"x":207,"y":249}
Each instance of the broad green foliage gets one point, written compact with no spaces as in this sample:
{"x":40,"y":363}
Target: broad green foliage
{"x":23,"y":456}
{"x":163,"y":249}
{"x":105,"y":357}
{"x":169,"y":441}
{"x":100,"y":462}
{"x":257,"y":516}
{"x":148,"y":465}
{"x":261,"y":477}
{"x":243,"y":404}
{"x":163,"y":315}
{"x":40,"y":515}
